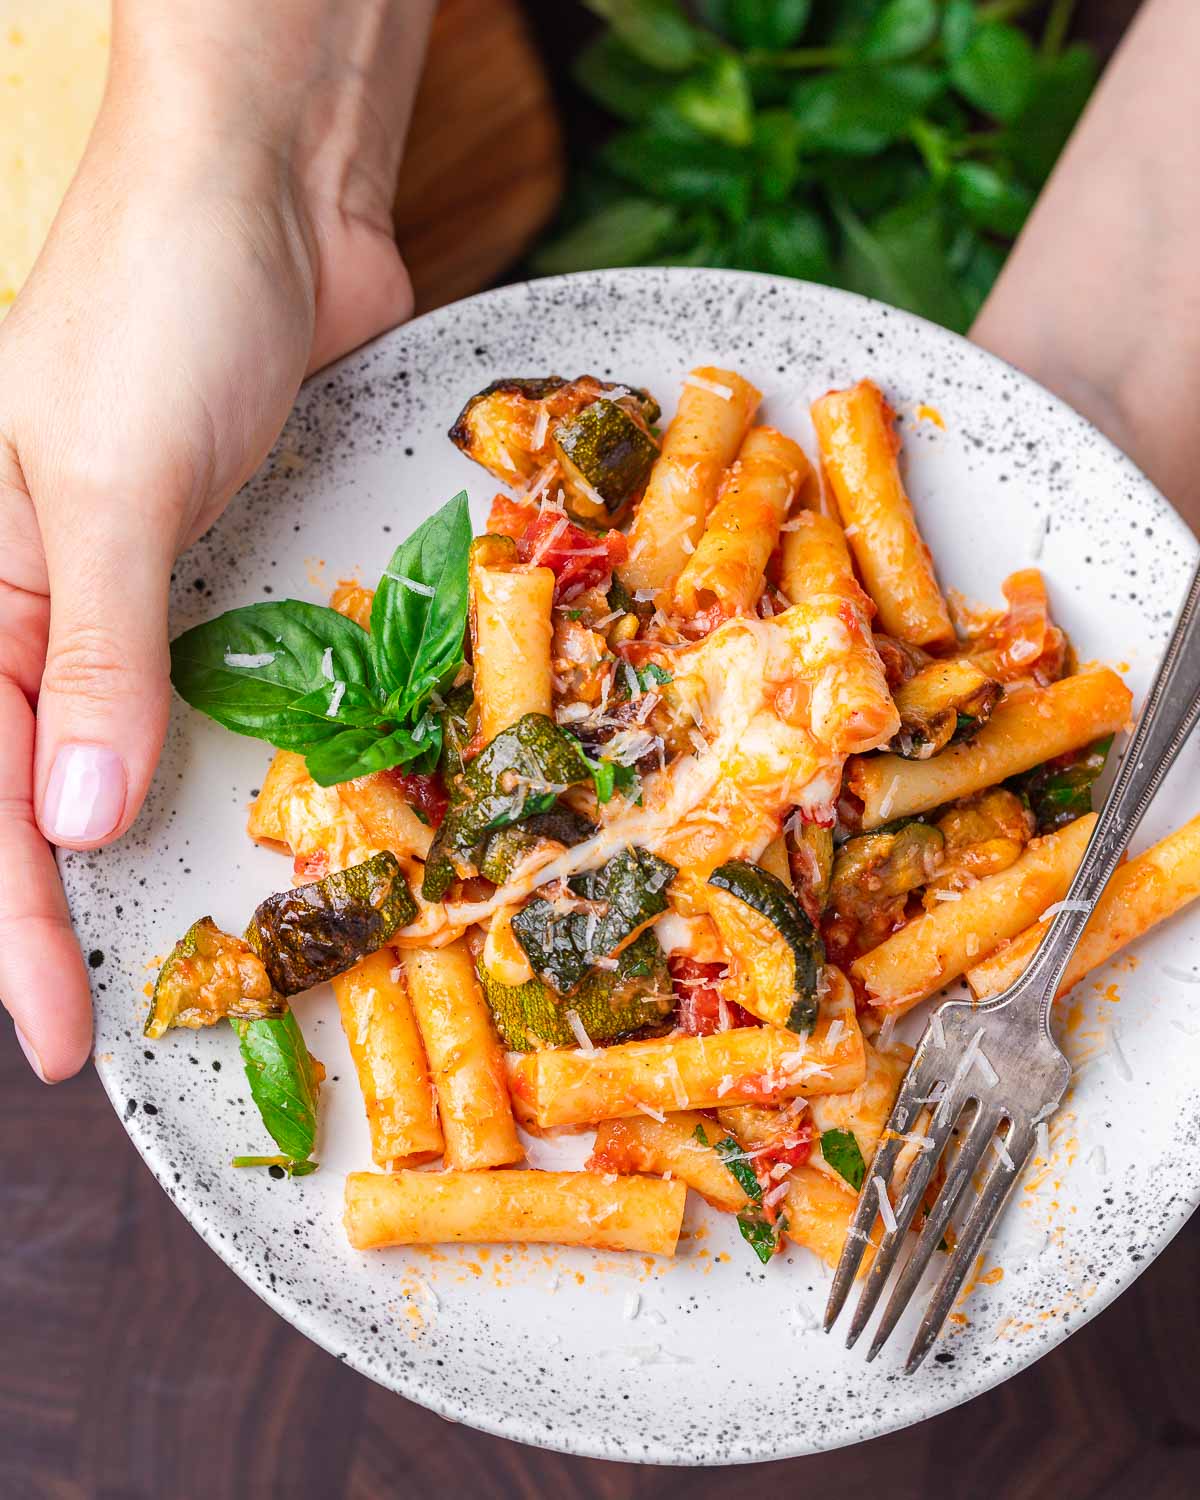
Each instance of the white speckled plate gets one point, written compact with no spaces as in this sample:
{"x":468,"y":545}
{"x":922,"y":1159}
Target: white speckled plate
{"x":708,"y":1358}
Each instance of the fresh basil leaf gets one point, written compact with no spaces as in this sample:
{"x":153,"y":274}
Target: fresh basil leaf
{"x":900,"y":258}
{"x":285,"y":1164}
{"x":990,"y":200}
{"x":343,"y":704}
{"x":899,"y":29}
{"x":763,"y":1237}
{"x":841,"y":1150}
{"x":683,"y":167}
{"x":859,"y":111}
{"x":737,"y":1160}
{"x":253,"y":669}
{"x":419,"y":617}
{"x":283,"y":1081}
{"x":767,"y":25}
{"x":613,"y":77}
{"x":716,"y":101}
{"x":626,"y":233}
{"x":652,"y":675}
{"x":655,"y":31}
{"x":996,"y":70}
{"x":1055,"y":101}
{"x":958,"y":27}
{"x":359,"y":752}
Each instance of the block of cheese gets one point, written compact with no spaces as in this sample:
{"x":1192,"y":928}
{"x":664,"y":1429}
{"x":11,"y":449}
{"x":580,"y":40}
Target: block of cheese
{"x":53,"y":58}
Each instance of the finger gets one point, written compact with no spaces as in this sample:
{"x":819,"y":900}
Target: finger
{"x":43,"y":982}
{"x":102,"y":709}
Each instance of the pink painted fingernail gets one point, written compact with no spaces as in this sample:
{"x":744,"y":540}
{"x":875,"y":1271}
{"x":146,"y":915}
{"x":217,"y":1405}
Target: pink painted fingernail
{"x":31,"y":1056}
{"x":85,"y":795}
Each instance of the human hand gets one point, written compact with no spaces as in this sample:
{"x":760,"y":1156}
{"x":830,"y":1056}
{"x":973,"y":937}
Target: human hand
{"x":229,"y":231}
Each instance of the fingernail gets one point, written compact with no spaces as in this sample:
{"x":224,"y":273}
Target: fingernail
{"x":85,"y":795}
{"x":31,"y":1056}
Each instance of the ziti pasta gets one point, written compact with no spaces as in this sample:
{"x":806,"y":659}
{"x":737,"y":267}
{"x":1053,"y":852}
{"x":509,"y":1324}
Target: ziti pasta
{"x":639,"y":813}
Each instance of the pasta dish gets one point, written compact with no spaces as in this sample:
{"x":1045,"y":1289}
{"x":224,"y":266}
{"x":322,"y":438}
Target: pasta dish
{"x":647,"y":812}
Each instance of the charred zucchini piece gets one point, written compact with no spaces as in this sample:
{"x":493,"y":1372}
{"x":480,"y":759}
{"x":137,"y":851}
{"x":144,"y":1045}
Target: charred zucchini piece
{"x":614,"y":901}
{"x":508,"y":426}
{"x":209,"y":975}
{"x":314,"y":932}
{"x":505,"y":848}
{"x":801,"y":954}
{"x":456,"y":721}
{"x":604,"y":452}
{"x":612,"y":1005}
{"x":875,"y":868}
{"x":1060,"y":791}
{"x":810,"y":856}
{"x":946,"y":700}
{"x":521,"y":773}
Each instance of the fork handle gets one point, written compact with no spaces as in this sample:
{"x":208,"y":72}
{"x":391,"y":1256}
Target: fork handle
{"x":1168,"y":716}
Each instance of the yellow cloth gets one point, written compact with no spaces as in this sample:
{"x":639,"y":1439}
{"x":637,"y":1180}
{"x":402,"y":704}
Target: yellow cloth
{"x":53,"y":58}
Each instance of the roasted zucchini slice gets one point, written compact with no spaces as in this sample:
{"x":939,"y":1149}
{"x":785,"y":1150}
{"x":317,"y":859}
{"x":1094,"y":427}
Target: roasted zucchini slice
{"x":508,"y":846}
{"x":783,"y":951}
{"x":314,"y":932}
{"x":613,"y":903}
{"x":605,"y":454}
{"x":633,"y":999}
{"x":946,"y":700}
{"x":1059,"y":791}
{"x":810,"y":856}
{"x":510,"y":426}
{"x":876,"y":868}
{"x":209,"y":975}
{"x":521,"y":773}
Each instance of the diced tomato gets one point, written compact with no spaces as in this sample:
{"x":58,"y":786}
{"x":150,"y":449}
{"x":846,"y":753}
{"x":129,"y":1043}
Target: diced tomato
{"x":697,"y":987}
{"x":313,"y":866}
{"x":580,"y":560}
{"x":426,"y":794}
{"x":793,"y":1147}
{"x":509,"y":517}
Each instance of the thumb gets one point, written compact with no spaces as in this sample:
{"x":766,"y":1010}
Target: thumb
{"x":103,"y":704}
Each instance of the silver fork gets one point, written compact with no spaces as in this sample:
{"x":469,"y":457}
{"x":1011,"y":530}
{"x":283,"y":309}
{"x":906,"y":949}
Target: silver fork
{"x":997,"y":1059}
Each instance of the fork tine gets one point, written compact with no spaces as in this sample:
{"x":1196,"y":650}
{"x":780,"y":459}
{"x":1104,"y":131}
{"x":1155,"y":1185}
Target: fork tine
{"x":982,"y":1128}
{"x":910,"y":1200}
{"x":983,"y":1214}
{"x":905,"y":1109}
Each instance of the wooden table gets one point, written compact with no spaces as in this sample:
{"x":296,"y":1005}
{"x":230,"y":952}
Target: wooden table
{"x":135,"y":1366}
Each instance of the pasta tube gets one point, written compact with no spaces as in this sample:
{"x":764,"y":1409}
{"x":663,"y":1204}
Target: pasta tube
{"x":390,"y":1062}
{"x":859,"y":450}
{"x":748,"y":1065}
{"x":669,"y":1147}
{"x":727,"y":568}
{"x":265,"y":824}
{"x":386,"y":814}
{"x":464,"y":1057}
{"x":1024,"y":730}
{"x":849,"y":704}
{"x":511,"y":628}
{"x":1142,"y":893}
{"x":323,"y":833}
{"x":715,"y":410}
{"x":561,"y":1208}
{"x":818,"y":1209}
{"x":933,"y":949}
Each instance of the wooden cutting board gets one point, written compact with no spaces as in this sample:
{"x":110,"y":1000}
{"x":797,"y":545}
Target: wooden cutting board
{"x":482,"y":173}
{"x":484,"y":170}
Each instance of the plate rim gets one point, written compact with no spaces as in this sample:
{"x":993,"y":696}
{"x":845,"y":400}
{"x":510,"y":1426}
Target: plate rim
{"x":409,"y":1383}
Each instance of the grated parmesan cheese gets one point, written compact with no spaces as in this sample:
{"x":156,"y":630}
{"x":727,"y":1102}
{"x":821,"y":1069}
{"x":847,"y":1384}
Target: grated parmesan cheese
{"x":1043,"y":1140}
{"x":249,"y":659}
{"x":632,"y":1306}
{"x":335,"y":700}
{"x":886,"y":1211}
{"x":1053,"y":911}
{"x":714,"y":387}
{"x":937,"y":1032}
{"x":540,"y":428}
{"x":1001,"y":1150}
{"x":655,"y":1114}
{"x":327,"y":664}
{"x":889,"y":798}
{"x":579,"y":1031}
{"x":411,"y":584}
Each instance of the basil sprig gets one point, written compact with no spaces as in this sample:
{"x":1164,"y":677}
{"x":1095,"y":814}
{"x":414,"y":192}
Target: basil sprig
{"x":763,"y":1235}
{"x":305,"y":678}
{"x":284,"y":1082}
{"x":841,"y":1150}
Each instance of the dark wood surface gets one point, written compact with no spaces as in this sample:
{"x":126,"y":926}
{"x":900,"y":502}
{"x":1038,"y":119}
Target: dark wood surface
{"x":135,"y":1366}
